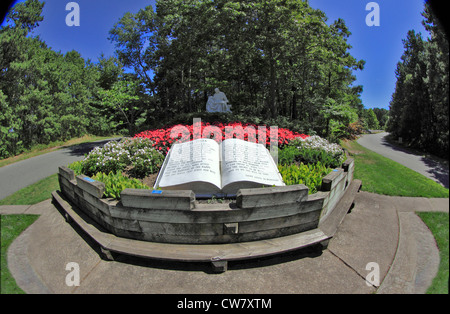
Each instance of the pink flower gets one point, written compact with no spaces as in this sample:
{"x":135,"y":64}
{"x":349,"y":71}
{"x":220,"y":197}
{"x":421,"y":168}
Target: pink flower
{"x":162,"y":139}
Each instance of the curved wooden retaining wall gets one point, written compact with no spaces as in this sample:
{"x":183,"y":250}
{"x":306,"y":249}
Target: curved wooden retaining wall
{"x":176,"y":217}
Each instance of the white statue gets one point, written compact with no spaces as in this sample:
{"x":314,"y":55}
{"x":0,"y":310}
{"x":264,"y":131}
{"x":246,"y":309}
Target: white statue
{"x":218,"y":102}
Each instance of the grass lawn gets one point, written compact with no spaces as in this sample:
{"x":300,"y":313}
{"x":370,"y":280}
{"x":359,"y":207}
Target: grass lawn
{"x":384,"y":176}
{"x":438,"y":223}
{"x":11,"y":227}
{"x":33,"y":194}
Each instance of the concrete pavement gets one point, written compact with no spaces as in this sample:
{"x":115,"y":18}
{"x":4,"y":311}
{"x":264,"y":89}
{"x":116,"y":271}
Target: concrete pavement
{"x":379,"y":229}
{"x":426,"y":166}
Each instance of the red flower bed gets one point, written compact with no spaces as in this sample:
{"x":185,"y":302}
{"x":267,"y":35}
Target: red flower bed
{"x":164,"y":138}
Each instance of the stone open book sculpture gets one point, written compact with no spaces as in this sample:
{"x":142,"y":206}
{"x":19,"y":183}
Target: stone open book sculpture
{"x":209,"y":168}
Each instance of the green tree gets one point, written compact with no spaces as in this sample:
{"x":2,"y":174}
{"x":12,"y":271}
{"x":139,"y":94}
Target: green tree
{"x":16,"y":73}
{"x":419,"y":106}
{"x":437,"y":82}
{"x":382,"y":116}
{"x":135,"y":44}
{"x":121,"y":100}
{"x":273,"y":58}
{"x":371,"y":119}
{"x":44,"y":95}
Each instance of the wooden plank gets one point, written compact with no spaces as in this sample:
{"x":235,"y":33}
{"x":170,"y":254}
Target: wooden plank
{"x":148,"y":199}
{"x":231,"y":228}
{"x":93,"y":187}
{"x":251,"y":198}
{"x":216,"y":252}
{"x":215,"y":239}
{"x":330,"y":223}
{"x":278,"y":223}
{"x":66,"y":187}
{"x":227,"y":214}
{"x":219,"y":266}
{"x":190,"y":252}
{"x":177,"y":229}
{"x":89,"y":226}
{"x":331,"y":179}
{"x":155,"y":230}
{"x":336,"y":194}
{"x":348,"y":164}
{"x":66,"y":172}
{"x":66,"y":182}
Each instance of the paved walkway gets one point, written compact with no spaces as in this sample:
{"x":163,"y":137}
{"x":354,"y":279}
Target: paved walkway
{"x":426,"y":166}
{"x":23,"y":173}
{"x":379,"y":229}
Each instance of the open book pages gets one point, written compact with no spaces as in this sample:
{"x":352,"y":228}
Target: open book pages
{"x":209,"y":168}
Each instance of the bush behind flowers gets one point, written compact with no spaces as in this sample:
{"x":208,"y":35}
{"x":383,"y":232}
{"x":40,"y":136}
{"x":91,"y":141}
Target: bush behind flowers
{"x":137,"y":154}
{"x":315,"y":148}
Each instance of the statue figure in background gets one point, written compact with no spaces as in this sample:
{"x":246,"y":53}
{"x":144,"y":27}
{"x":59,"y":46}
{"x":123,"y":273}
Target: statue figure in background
{"x":218,"y":102}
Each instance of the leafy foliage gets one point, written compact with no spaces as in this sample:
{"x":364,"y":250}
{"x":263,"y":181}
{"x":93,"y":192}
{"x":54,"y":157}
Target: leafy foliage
{"x":116,"y":182}
{"x":419,"y":106}
{"x":272,"y":58}
{"x":382,"y":116}
{"x":46,"y":96}
{"x":314,"y":149}
{"x":107,"y":164}
{"x":77,"y":167}
{"x":371,"y":119}
{"x":135,"y":155}
{"x":310,"y":175}
{"x":307,"y":161}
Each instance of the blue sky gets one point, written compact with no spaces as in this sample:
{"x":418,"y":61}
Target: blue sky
{"x":380,"y":46}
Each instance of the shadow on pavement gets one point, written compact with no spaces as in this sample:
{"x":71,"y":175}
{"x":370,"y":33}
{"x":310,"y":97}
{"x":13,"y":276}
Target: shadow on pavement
{"x":82,"y":149}
{"x":437,"y":169}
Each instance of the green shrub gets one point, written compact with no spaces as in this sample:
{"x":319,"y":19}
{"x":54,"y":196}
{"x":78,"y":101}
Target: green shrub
{"x":112,"y":157}
{"x":145,"y":161}
{"x":312,"y":156}
{"x":77,"y":167}
{"x":137,"y":155}
{"x":310,"y":175}
{"x":288,"y":155}
{"x":316,"y":149}
{"x":115,"y":183}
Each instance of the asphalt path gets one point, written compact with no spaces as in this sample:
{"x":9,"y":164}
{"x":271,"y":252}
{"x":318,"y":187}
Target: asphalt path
{"x":21,"y":174}
{"x":426,"y":166}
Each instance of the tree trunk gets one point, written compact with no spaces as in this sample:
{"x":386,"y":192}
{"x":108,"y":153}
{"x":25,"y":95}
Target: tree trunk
{"x":294,"y":103}
{"x":272,"y":104}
